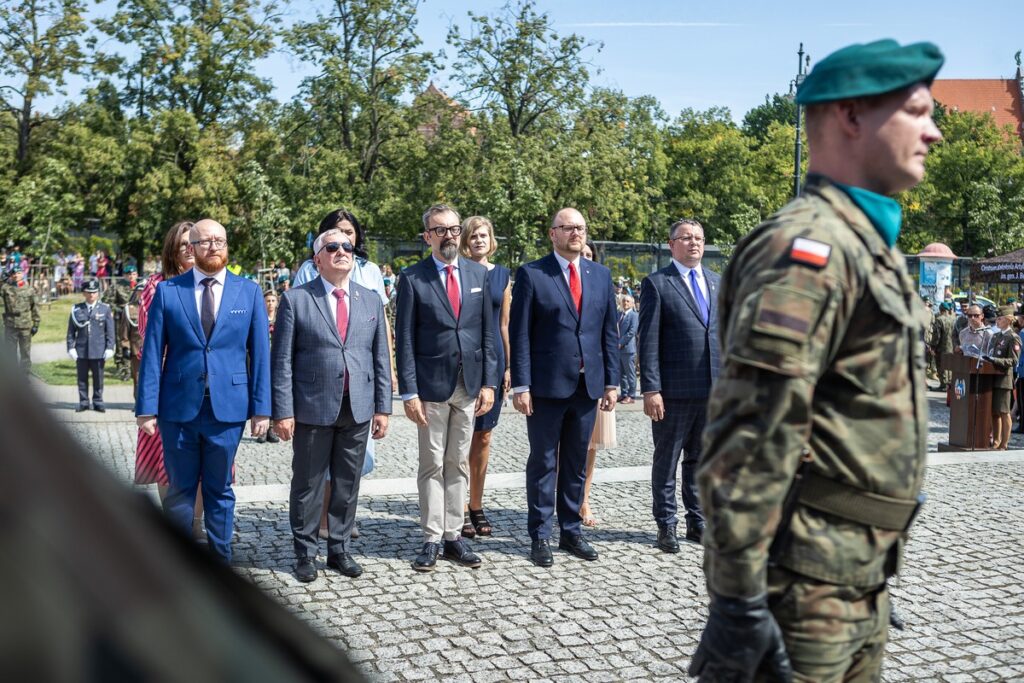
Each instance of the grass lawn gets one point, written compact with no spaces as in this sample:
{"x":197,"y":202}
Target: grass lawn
{"x":53,"y":324}
{"x":64,"y":372}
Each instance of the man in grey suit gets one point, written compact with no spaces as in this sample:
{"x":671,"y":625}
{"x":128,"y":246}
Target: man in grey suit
{"x":678,"y":362}
{"x":331,"y":372}
{"x":627,"y":349}
{"x":447,"y":373}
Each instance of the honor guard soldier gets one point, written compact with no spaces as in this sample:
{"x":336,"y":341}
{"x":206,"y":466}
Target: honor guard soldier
{"x":128,"y":338}
{"x":1004,"y":354}
{"x":814,"y":451}
{"x":21,"y":316}
{"x":91,"y":344}
{"x":117,"y":296}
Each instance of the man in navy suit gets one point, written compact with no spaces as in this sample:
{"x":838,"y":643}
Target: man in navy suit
{"x":205,"y":370}
{"x":565,"y":357}
{"x":332,"y":390}
{"x":678,"y":362}
{"x":447,"y":374}
{"x":627,"y":349}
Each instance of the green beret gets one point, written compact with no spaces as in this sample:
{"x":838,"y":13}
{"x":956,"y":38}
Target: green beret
{"x":872,"y":69}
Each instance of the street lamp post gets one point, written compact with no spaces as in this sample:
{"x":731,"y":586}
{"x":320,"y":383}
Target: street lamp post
{"x":801,"y":72}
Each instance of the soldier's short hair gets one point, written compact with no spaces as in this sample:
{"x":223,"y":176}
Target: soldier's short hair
{"x":436,"y":209}
{"x":692,"y":222}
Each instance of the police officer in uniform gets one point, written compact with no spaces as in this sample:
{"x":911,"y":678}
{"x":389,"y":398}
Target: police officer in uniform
{"x":814,"y":451}
{"x":91,"y":344}
{"x":21,"y":316}
{"x":128,"y":338}
{"x":1004,"y":354}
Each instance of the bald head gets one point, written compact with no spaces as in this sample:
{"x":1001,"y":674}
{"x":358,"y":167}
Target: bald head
{"x":208,"y":242}
{"x":568,"y":233}
{"x":207,"y":227}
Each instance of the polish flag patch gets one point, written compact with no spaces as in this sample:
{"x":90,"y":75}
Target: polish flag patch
{"x":811,"y":252}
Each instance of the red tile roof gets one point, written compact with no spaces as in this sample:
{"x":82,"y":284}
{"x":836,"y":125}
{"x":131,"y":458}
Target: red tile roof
{"x":996,"y":96}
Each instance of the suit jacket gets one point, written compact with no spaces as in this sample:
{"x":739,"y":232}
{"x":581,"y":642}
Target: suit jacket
{"x":678,"y":352}
{"x":91,"y":335}
{"x":549,"y":338}
{"x":627,"y":332}
{"x":431,"y":343}
{"x":309,"y":360}
{"x":178,"y":361}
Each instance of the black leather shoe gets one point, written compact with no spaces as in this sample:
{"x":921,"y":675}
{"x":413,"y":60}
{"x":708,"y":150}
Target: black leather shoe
{"x":426,"y":561}
{"x":305,"y":570}
{"x":578,"y":547}
{"x":345,"y":565}
{"x":694,"y":531}
{"x":99,"y":409}
{"x":540,"y":553}
{"x":272,"y":437}
{"x":459,"y":552}
{"x":667,"y":540}
{"x":81,"y":409}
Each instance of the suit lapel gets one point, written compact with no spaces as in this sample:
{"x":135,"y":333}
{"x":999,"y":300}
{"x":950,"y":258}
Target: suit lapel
{"x":319,"y":293}
{"x":187,"y":295}
{"x":434,"y":280}
{"x":712,"y":296}
{"x":227,"y":301}
{"x":555,"y":270}
{"x":672,"y":273}
{"x":358,"y":313}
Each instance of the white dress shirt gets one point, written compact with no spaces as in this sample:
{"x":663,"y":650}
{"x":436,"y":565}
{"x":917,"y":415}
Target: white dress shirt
{"x":684,"y":272}
{"x":563,"y":263}
{"x":442,"y":272}
{"x":217,"y":288}
{"x":333,"y":308}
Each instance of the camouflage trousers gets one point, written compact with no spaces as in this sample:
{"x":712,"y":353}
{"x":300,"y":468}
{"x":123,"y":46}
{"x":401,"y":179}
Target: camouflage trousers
{"x":832,"y":633}
{"x":21,"y":340}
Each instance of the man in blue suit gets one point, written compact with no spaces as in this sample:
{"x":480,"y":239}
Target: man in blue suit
{"x":627,"y":349}
{"x":678,"y":362}
{"x":447,"y":374}
{"x":205,"y":370}
{"x":565,"y":357}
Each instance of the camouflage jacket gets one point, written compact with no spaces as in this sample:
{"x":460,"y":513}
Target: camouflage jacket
{"x":942,"y":333}
{"x":1004,"y":349}
{"x":20,"y":309}
{"x":822,"y":350}
{"x":128,"y":336}
{"x":117,"y":295}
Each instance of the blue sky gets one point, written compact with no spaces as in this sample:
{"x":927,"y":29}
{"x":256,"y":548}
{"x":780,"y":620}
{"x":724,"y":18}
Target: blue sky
{"x":699,"y":54}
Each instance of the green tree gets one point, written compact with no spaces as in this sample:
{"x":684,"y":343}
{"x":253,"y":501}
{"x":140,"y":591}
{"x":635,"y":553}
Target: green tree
{"x":260,"y":220}
{"x":42,"y":207}
{"x":776,"y":109}
{"x":41,"y":44}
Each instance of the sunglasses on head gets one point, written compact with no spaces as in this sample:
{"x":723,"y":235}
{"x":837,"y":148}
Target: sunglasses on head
{"x":332,"y":247}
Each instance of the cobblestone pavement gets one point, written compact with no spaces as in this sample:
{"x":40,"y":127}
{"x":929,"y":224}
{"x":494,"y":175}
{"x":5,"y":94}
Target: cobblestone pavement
{"x":636,"y":613}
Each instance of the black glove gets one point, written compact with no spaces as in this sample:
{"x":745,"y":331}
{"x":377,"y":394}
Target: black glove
{"x":35,"y":328}
{"x":740,"y":638}
{"x":126,"y":354}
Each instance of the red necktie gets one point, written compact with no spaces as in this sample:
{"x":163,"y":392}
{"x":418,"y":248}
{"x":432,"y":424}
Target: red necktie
{"x":574,"y":287}
{"x":453,"y":291}
{"x":342,"y":321}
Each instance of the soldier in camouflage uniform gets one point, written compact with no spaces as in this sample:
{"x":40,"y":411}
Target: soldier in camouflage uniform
{"x":117,"y":296}
{"x":1004,"y":354}
{"x":814,"y":450}
{"x":942,"y":340}
{"x":21,"y":317}
{"x":128,"y":338}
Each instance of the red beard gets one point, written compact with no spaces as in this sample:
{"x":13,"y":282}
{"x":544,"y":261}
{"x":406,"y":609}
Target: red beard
{"x":214,"y":263}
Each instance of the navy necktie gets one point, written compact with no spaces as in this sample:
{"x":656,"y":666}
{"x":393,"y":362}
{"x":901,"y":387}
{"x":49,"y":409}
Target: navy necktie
{"x":207,"y":317}
{"x":702,"y":303}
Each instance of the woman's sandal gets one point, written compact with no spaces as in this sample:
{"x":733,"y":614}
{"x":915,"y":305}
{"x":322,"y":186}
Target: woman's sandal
{"x":480,"y":523}
{"x":468,"y":530}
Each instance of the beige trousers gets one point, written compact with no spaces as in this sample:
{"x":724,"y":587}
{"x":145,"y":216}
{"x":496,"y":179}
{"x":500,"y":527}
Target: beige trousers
{"x":444,"y":464}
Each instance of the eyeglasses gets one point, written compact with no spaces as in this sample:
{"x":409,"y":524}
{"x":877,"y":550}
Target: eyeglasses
{"x":570,"y":229}
{"x":210,"y":244}
{"x":333,"y":247}
{"x":440,"y":230}
{"x":183,"y":247}
{"x":688,"y":238}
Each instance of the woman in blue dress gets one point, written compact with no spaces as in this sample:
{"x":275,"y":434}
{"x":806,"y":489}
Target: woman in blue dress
{"x":478,"y":243}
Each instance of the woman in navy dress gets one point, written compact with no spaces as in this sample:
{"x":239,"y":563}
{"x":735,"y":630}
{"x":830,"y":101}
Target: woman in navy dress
{"x":478,"y":243}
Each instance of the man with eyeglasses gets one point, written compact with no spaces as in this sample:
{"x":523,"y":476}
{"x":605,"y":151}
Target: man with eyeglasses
{"x":974,"y":339}
{"x":447,"y":374}
{"x":565,"y":356}
{"x":205,"y":370}
{"x":332,"y":392}
{"x":678,"y":364}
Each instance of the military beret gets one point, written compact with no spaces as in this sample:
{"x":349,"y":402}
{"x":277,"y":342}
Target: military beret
{"x":946,"y":306}
{"x":870,"y":69}
{"x":129,"y":268}
{"x":91,"y":286}
{"x":1008,"y":311}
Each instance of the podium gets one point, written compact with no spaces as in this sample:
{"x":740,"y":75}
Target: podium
{"x":970,"y":410}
